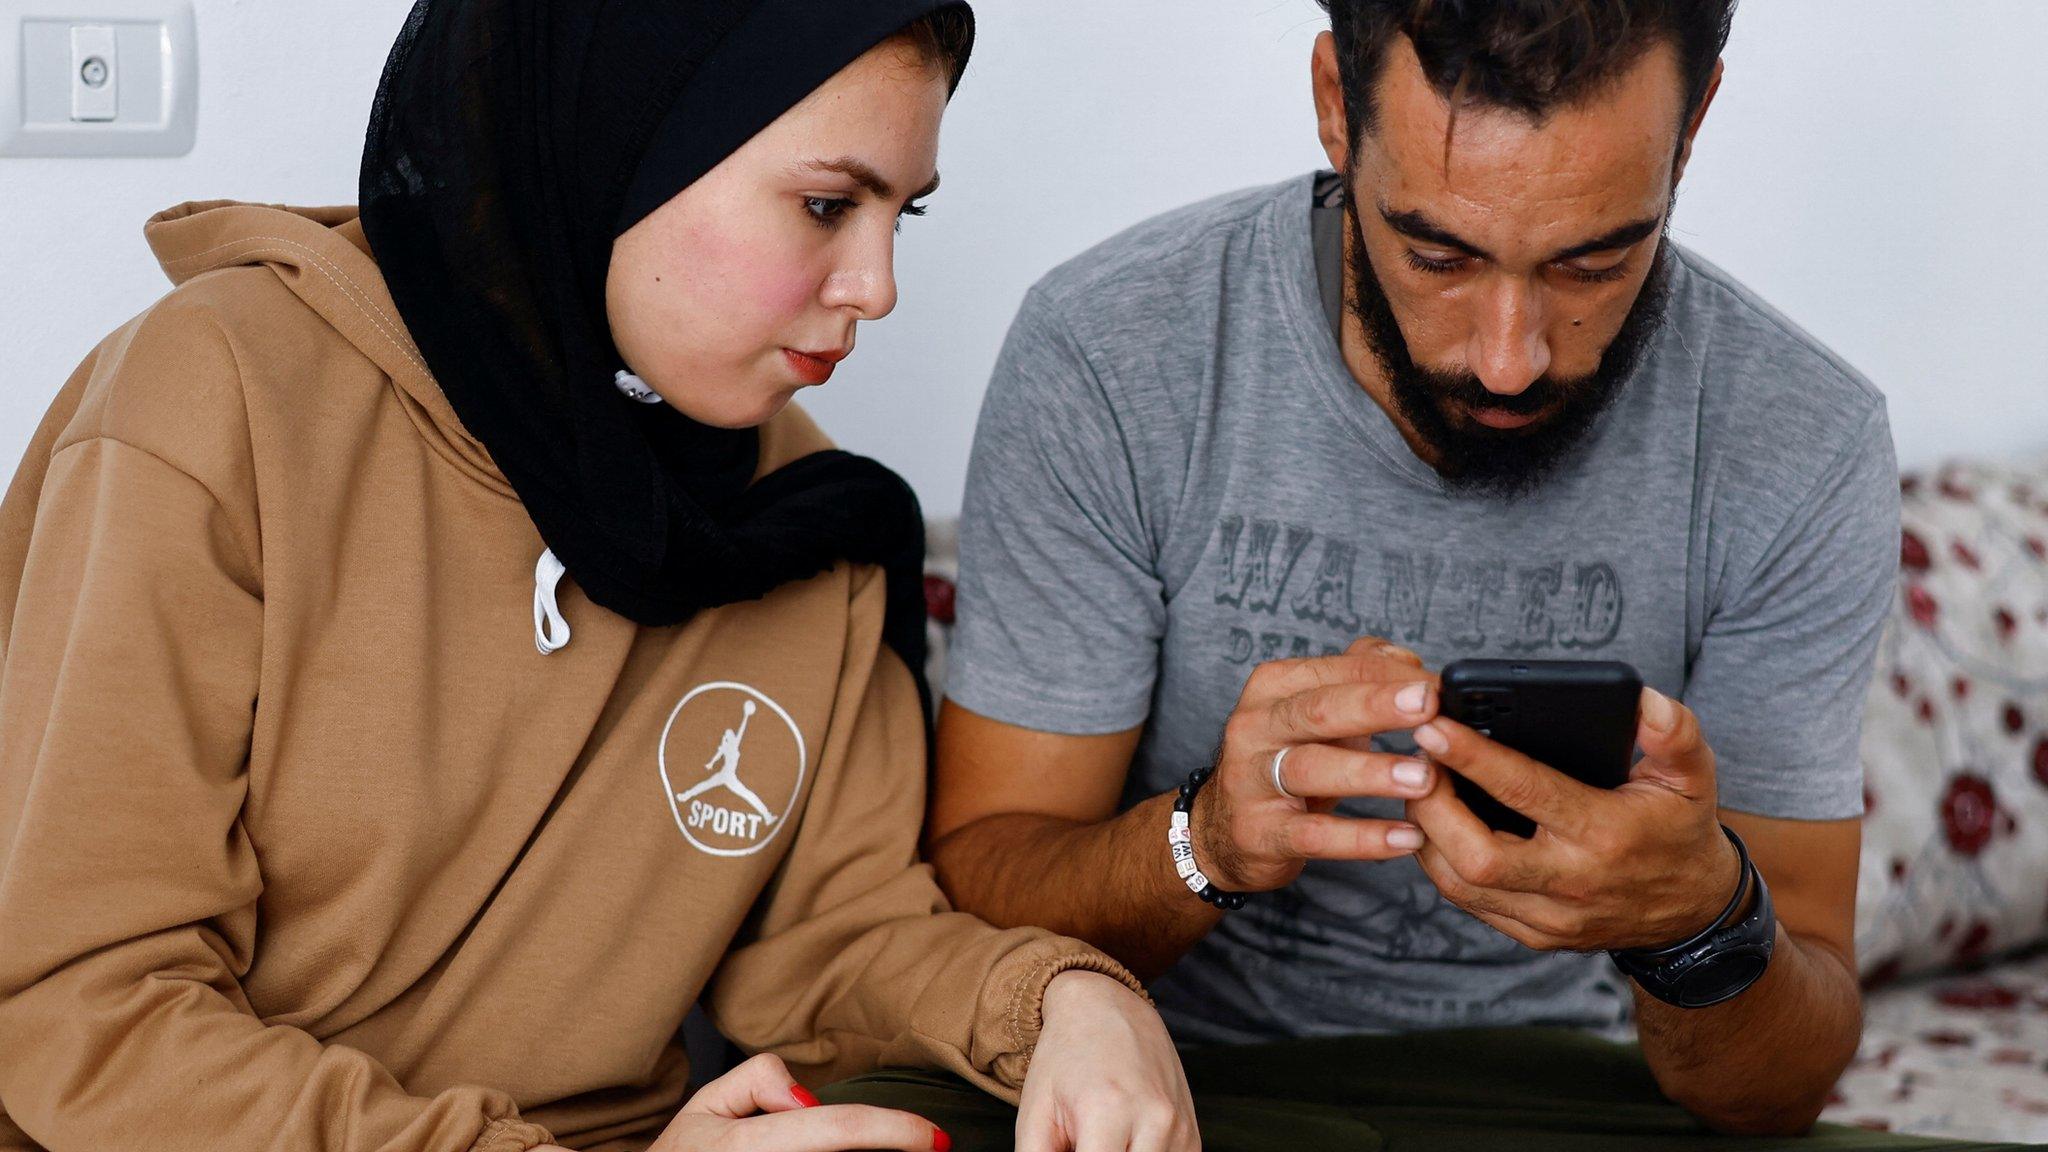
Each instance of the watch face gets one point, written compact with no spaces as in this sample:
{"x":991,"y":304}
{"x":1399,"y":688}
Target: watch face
{"x":1719,"y":978}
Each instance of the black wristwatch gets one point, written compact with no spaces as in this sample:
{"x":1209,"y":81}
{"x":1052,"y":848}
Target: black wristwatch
{"x":1721,"y":962}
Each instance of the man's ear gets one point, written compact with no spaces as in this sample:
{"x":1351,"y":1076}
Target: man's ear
{"x":1699,"y":117}
{"x":1332,"y":125}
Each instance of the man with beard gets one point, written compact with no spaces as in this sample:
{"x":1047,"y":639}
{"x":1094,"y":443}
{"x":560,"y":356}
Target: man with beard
{"x":1231,"y":507}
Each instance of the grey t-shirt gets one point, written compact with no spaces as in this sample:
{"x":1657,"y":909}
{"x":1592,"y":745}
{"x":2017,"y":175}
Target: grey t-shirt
{"x":1176,"y":478}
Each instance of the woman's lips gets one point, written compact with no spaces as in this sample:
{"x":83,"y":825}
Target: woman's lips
{"x":813,"y":367}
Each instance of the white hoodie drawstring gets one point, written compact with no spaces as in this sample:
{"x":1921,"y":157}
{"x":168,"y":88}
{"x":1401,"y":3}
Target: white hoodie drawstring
{"x":550,"y":628}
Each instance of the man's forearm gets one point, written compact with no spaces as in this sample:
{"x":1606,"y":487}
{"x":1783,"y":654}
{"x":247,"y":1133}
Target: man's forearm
{"x":1111,"y":884}
{"x":1763,"y":1063}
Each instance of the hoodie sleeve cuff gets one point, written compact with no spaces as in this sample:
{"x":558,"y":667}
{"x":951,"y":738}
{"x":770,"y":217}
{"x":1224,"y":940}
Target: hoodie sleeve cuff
{"x":511,"y":1136}
{"x":1025,"y":1017}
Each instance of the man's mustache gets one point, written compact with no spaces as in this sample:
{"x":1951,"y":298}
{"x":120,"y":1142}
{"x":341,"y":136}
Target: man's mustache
{"x":1464,"y":389}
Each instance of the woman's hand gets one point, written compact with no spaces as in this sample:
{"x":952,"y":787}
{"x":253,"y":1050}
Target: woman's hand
{"x":758,"y":1107}
{"x":1105,"y":1076}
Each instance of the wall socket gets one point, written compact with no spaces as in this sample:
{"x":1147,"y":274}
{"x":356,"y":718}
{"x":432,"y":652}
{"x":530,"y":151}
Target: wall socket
{"x":98,"y":77}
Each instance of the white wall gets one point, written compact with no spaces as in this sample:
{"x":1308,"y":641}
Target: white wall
{"x":1873,"y":166}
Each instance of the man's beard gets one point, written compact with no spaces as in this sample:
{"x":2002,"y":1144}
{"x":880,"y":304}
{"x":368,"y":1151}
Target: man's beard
{"x":1505,"y":462}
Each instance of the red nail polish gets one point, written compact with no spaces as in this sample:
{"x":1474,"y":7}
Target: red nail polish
{"x":940,"y":1141}
{"x":803,"y":1096}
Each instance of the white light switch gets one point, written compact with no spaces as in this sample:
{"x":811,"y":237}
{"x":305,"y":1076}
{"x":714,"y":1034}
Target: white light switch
{"x":98,"y":77}
{"x":94,"y":91}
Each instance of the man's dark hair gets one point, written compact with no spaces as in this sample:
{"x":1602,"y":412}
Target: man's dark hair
{"x":1528,"y":55}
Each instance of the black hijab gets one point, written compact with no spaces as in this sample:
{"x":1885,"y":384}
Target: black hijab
{"x":511,"y":143}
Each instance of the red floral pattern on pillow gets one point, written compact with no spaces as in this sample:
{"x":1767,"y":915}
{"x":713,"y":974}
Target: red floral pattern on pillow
{"x":1955,"y":748}
{"x":1969,"y":813}
{"x":938,"y":598}
{"x":1964,"y":1057}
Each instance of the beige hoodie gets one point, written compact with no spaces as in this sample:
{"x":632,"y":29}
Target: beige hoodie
{"x":304,"y":844}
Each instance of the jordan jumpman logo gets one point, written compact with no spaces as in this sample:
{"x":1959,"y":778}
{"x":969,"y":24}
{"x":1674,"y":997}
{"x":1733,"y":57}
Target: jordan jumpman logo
{"x":726,"y":763}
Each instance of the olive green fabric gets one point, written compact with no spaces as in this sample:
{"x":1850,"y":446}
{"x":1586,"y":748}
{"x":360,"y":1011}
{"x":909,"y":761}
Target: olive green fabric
{"x":1525,"y":1089}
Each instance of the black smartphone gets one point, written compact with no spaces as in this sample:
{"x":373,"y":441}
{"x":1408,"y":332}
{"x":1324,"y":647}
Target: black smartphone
{"x":1578,"y":716}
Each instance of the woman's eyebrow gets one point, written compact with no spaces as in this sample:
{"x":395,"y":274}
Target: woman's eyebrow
{"x":864,"y":174}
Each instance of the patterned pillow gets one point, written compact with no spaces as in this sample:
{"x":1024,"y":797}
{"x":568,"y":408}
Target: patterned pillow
{"x":1955,"y":740}
{"x":941,"y":568}
{"x":1962,"y":1057}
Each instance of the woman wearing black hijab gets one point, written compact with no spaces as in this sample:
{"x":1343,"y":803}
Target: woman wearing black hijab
{"x":435,"y":656}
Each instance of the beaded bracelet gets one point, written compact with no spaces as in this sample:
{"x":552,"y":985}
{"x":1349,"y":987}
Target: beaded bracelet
{"x":1180,"y":837}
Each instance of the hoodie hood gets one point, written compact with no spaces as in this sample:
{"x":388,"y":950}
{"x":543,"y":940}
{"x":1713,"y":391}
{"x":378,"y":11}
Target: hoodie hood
{"x":321,"y":255}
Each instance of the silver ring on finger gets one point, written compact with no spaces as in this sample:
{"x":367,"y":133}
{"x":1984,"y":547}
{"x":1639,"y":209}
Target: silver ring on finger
{"x":1280,"y":784}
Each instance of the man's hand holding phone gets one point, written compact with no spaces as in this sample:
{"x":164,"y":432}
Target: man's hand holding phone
{"x":1636,"y":866}
{"x":1298,"y":743}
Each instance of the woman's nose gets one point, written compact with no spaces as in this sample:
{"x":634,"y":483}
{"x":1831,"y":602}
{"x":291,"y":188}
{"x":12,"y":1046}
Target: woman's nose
{"x":866,"y":283}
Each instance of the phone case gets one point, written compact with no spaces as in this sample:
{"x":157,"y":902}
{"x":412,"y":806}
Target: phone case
{"x":1578,"y":716}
